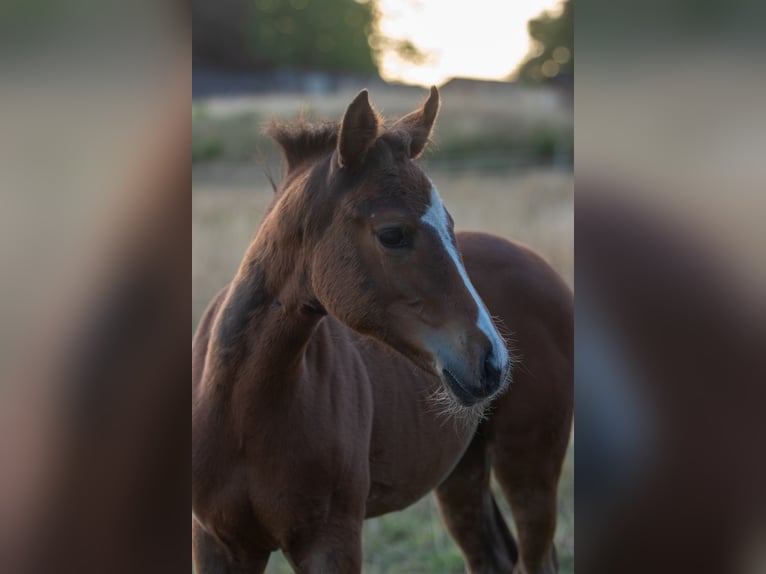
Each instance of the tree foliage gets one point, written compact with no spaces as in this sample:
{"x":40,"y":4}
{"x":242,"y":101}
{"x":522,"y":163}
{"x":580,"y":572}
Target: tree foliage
{"x":299,"y":34}
{"x":313,"y":34}
{"x":552,"y":53}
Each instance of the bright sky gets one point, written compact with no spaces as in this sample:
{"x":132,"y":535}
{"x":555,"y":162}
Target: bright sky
{"x":470,"y":38}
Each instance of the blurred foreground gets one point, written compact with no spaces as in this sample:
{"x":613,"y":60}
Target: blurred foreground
{"x":670,"y":323}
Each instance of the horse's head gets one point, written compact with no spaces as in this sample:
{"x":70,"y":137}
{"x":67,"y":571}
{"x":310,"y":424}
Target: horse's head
{"x":383,"y":258}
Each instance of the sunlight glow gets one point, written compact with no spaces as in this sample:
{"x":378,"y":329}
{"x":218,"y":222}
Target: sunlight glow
{"x":471,"y":38}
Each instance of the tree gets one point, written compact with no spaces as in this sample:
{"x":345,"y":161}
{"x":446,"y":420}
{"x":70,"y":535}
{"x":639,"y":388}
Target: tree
{"x":301,"y":34}
{"x":552,"y":53}
{"x":314,"y":34}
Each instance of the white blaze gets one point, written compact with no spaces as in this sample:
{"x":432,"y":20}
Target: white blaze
{"x":436,"y":217}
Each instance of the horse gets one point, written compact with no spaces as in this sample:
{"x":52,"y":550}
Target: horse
{"x":355,"y":363}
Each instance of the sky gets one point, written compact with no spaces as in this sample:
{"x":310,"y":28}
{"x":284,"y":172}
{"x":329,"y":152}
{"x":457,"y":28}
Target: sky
{"x":467,"y":38}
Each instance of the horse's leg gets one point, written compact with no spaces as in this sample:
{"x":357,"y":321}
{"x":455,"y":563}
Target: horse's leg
{"x":209,"y":557}
{"x":527,"y":465}
{"x":321,"y":550}
{"x":533,"y":504}
{"x":472,"y":516}
{"x":532,"y":498}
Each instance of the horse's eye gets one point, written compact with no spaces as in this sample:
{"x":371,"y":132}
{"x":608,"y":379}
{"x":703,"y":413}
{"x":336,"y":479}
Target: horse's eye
{"x":393,"y":237}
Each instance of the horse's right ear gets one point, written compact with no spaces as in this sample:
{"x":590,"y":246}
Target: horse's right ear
{"x":420,"y":123}
{"x":358,"y":131}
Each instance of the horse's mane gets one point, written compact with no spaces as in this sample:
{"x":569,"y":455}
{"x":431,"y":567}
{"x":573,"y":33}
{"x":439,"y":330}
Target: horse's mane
{"x":301,"y":139}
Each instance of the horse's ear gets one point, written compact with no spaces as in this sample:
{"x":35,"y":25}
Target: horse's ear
{"x":419,"y":123}
{"x":358,"y":131}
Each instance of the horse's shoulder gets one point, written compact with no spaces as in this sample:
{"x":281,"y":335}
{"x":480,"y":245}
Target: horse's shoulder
{"x":332,"y":336}
{"x":202,"y":334}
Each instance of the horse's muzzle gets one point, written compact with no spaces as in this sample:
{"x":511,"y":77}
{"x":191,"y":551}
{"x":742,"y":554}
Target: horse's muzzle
{"x":493,"y":375}
{"x":469,"y":386}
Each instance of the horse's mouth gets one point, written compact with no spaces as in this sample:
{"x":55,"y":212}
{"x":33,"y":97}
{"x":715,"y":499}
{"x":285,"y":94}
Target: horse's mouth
{"x":463,"y":395}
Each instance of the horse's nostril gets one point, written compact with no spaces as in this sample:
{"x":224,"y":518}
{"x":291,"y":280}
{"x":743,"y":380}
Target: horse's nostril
{"x":490,"y":373}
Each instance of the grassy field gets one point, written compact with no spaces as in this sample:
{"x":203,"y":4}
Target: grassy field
{"x":523,"y":126}
{"x":534,"y":206}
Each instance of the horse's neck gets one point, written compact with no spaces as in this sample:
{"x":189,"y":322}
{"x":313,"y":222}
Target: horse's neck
{"x":257,"y":342}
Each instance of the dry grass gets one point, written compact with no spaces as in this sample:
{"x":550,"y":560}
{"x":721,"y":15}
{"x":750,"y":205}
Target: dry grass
{"x":526,"y":124}
{"x":535,"y":207}
{"x":528,"y":103}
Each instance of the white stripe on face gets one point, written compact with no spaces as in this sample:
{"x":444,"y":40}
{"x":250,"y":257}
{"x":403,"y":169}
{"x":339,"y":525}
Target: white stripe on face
{"x":436,"y":217}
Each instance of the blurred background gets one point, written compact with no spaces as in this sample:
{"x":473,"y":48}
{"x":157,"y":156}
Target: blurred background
{"x":502,"y":154}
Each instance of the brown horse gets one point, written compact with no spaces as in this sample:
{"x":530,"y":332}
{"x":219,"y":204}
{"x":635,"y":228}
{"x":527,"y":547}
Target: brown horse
{"x":319,"y":373}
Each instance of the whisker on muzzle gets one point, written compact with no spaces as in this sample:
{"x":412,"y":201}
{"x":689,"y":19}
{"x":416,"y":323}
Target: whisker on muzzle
{"x":514,"y":355}
{"x":446,"y":406}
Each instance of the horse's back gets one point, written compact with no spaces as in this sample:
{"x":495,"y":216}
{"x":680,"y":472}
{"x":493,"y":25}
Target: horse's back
{"x":511,"y":277}
{"x":534,"y":307}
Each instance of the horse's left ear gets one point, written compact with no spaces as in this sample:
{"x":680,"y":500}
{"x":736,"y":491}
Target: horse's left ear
{"x":358,"y":131}
{"x":419,"y":123}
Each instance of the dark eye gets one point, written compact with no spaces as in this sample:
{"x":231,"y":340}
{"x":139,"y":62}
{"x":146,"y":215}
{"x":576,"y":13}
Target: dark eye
{"x":393,"y":237}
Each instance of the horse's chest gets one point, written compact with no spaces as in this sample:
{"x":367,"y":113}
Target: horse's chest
{"x":400,"y":477}
{"x":281,"y":507}
{"x":296,"y":474}
{"x":412,"y":451}
{"x":272,"y":494}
